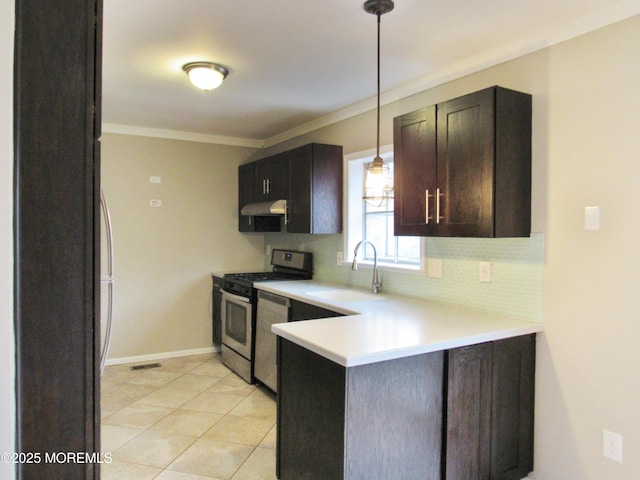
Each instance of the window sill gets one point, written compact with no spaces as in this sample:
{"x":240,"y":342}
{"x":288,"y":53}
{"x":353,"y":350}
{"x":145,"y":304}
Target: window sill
{"x":389,"y":267}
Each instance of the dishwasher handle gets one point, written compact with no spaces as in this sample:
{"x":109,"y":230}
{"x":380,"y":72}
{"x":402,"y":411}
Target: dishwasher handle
{"x":277,"y":299}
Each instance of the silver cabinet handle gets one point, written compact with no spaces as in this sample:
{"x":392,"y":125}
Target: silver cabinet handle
{"x":268,"y":185}
{"x":438,"y":195}
{"x":286,"y":213}
{"x":427,"y":217}
{"x":426,"y":206}
{"x":264,"y":186}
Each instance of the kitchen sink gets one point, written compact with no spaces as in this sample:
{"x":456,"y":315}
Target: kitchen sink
{"x":344,"y":295}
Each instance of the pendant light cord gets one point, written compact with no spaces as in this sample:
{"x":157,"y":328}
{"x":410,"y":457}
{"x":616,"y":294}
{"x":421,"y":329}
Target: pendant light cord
{"x":378,"y":108}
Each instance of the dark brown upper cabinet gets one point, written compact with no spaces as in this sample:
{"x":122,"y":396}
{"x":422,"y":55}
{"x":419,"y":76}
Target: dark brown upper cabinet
{"x":463,"y":167}
{"x":309,"y":178}
{"x":315,"y":191}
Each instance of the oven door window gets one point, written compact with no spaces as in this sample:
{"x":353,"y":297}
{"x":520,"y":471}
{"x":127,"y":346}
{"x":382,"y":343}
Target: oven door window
{"x":236,"y":322}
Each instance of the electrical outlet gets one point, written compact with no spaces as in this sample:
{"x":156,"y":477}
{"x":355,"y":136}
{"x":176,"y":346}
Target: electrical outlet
{"x":612,"y":445}
{"x":485,"y":272}
{"x":267,"y":250}
{"x":339,"y":258}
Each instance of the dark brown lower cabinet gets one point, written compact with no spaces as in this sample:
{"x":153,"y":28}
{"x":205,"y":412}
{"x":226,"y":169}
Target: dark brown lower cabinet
{"x":381,"y":420}
{"x":490,"y":389}
{"x":461,"y":414}
{"x":306,"y":311}
{"x":468,"y":413}
{"x":512,"y":407}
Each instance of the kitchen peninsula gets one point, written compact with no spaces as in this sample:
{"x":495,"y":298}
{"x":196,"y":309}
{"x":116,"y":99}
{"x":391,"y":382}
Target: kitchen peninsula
{"x":402,"y":388}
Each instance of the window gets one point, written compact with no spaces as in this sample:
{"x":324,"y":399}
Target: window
{"x":375,"y":224}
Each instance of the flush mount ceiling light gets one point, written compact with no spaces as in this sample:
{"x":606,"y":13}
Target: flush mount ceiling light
{"x":378,"y":184}
{"x":205,"y":75}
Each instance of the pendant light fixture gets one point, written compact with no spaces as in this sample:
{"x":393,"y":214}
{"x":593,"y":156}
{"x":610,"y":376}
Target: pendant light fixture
{"x":205,"y":75}
{"x":378,"y":184}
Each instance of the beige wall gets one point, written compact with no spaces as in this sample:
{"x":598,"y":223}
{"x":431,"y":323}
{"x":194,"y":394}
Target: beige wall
{"x":7,"y":389}
{"x":589,"y":356}
{"x":164,"y":256}
{"x":586,"y":150}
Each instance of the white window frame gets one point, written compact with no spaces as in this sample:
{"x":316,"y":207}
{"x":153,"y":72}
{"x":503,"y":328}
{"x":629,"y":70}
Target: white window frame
{"x":354,"y":214}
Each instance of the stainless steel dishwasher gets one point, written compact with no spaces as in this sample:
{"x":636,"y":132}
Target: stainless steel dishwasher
{"x":271,"y":309}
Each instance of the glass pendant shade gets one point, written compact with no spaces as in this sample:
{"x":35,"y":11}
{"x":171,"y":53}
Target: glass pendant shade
{"x":205,"y":76}
{"x":378,"y":183}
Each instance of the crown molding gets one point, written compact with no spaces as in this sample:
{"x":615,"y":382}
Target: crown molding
{"x":179,"y":135}
{"x":579,"y":26}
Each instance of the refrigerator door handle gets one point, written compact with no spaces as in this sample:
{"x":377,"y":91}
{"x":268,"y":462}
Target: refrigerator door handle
{"x":107,"y":279}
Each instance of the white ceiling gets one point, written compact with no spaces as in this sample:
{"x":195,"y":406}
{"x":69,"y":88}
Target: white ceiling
{"x":295,"y":64}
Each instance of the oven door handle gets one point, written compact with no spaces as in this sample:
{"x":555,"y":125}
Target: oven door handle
{"x":237,"y":298}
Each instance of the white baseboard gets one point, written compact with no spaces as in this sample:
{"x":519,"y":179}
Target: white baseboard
{"x":161,"y":356}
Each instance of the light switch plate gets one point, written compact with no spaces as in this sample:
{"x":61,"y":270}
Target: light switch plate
{"x":434,"y":267}
{"x":592,"y":218}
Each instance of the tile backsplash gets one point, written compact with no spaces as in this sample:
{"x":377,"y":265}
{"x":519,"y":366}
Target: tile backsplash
{"x":516,"y":270}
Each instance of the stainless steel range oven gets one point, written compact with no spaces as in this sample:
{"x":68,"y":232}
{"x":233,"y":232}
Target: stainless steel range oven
{"x":238,"y":309}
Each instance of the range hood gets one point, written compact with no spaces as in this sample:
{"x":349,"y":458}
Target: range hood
{"x":274,"y":207}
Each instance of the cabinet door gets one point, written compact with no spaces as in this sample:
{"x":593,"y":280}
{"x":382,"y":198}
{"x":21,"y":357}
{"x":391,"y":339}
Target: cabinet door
{"x":490,"y":406}
{"x":279,"y":177}
{"x":245,"y":196}
{"x":299,"y":214}
{"x":512,"y":408}
{"x":271,"y":181}
{"x":261,"y":171}
{"x":414,"y":138}
{"x":246,"y":177}
{"x":315,"y":191}
{"x":468,"y":440}
{"x":465,"y":172}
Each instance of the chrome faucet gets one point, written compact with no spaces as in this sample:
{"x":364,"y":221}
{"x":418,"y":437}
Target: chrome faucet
{"x":376,"y":285}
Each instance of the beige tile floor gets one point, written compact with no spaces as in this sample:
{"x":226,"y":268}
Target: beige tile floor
{"x":190,"y":419}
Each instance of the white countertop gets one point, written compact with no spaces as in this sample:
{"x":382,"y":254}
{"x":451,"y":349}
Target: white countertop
{"x":384,"y":327}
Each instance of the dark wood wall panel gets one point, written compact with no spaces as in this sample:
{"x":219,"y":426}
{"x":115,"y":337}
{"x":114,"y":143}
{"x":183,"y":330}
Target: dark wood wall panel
{"x":311,"y":392}
{"x":394,"y":418}
{"x":57,"y":71}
